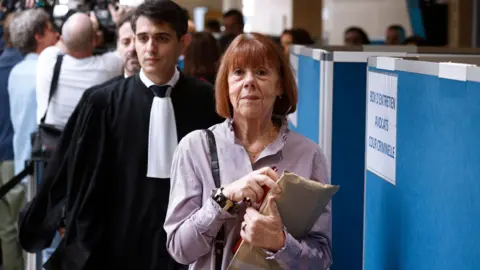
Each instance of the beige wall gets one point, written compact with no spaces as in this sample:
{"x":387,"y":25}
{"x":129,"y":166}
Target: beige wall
{"x":374,"y":16}
{"x":273,"y":16}
{"x":191,"y":4}
{"x":269,"y":17}
{"x":232,"y":4}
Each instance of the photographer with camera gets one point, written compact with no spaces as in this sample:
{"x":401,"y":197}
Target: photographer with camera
{"x":79,"y":70}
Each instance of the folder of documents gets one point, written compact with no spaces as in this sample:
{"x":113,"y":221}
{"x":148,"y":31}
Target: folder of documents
{"x":300,"y":204}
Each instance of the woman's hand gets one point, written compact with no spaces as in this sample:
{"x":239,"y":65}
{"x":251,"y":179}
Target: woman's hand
{"x":250,"y":186}
{"x":264,"y":231}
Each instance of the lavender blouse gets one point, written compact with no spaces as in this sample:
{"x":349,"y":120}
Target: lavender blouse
{"x":194,"y":219}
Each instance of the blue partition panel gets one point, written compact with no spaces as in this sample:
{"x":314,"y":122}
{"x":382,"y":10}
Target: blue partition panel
{"x":348,"y":157}
{"x":308,"y":109}
{"x":430,"y":219}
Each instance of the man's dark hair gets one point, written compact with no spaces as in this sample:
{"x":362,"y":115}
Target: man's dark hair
{"x":235,"y":13}
{"x":399,"y":29}
{"x":396,"y":27}
{"x":187,"y":13}
{"x":299,"y":36}
{"x":214,"y":25}
{"x":225,"y":41}
{"x":361,"y":32}
{"x":162,"y":11}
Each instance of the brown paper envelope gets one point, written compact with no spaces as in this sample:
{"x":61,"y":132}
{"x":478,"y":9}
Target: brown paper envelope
{"x":300,"y":204}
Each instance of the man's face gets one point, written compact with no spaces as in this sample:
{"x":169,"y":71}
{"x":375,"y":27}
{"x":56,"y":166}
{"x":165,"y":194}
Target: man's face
{"x":157,"y":46}
{"x":286,"y":40}
{"x":49,"y":37}
{"x":393,"y":37}
{"x":353,"y":38}
{"x":126,"y":47}
{"x":232,"y":26}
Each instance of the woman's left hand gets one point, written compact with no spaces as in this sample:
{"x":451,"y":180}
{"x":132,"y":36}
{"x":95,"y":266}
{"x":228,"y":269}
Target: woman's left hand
{"x":264,"y":231}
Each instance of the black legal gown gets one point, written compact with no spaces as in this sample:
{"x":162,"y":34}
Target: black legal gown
{"x":114,"y":213}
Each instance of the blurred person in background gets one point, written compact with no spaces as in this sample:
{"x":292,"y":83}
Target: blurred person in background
{"x":233,"y":22}
{"x":295,"y":36}
{"x":125,"y":47}
{"x":415,"y":41}
{"x":188,"y":37}
{"x":191,"y":27}
{"x":355,"y":36}
{"x":202,"y":56}
{"x":2,"y":21}
{"x":80,"y":69}
{"x":213,"y":27}
{"x":31,"y":32}
{"x":395,"y":35}
{"x":224,"y":41}
{"x":10,"y":204}
{"x":126,"y":44}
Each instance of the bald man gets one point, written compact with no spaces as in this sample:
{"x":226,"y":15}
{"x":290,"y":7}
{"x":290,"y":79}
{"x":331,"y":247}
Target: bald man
{"x":78,"y":35}
{"x":80,"y":69}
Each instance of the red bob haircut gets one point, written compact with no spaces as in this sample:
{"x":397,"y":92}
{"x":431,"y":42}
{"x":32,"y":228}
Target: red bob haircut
{"x":255,"y":50}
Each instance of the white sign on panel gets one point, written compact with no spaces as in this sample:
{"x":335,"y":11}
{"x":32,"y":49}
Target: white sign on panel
{"x":382,"y":124}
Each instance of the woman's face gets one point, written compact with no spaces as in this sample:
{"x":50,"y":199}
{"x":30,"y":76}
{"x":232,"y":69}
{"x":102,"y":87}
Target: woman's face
{"x":286,"y":40}
{"x":253,"y":90}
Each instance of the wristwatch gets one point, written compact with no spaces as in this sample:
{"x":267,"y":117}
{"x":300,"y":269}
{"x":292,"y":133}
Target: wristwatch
{"x":226,"y":204}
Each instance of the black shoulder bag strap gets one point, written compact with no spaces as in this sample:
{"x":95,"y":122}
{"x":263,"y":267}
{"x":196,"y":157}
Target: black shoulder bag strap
{"x":220,"y":239}
{"x":29,"y":167}
{"x":53,"y":84}
{"x":16,"y":180}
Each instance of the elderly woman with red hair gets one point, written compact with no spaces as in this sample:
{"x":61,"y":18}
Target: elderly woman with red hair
{"x":255,"y":91}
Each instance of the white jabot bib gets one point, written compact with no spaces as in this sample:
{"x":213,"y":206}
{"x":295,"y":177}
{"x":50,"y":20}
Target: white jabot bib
{"x":162,"y":138}
{"x":162,"y":135}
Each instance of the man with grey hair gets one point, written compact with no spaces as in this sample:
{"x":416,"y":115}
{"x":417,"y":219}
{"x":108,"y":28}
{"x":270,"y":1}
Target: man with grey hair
{"x":80,"y":69}
{"x":31,"y":32}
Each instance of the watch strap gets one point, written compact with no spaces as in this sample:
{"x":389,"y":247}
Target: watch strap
{"x":225,"y":203}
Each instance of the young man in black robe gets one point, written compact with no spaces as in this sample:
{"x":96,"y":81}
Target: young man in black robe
{"x":112,"y":165}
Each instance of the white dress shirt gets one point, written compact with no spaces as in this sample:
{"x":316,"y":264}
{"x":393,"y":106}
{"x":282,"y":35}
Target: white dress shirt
{"x":76,"y":76}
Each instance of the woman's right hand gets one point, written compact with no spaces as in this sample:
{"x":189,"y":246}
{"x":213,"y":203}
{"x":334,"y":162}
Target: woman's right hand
{"x":250,"y":186}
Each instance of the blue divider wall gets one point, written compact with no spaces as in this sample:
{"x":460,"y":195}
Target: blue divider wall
{"x":348,"y":157}
{"x":308,"y":112}
{"x":430,"y":218}
{"x":416,"y":20}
